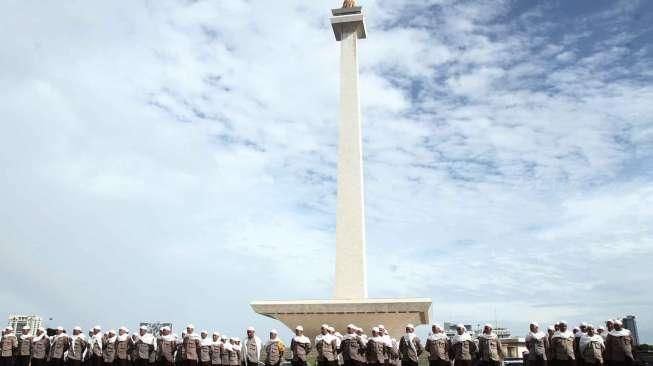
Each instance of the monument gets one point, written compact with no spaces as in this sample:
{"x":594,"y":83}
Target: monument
{"x":350,"y":303}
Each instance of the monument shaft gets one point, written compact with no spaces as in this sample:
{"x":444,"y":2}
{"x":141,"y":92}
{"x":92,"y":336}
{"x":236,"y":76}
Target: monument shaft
{"x":350,"y":223}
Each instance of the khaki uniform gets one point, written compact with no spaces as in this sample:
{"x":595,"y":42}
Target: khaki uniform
{"x":375,"y":351}
{"x":438,"y":348}
{"x":224,"y":354}
{"x":108,"y":350}
{"x":274,"y":352}
{"x":8,"y":345}
{"x":215,"y":353}
{"x":234,"y":356}
{"x":40,"y":348}
{"x":76,"y":347}
{"x":191,"y":346}
{"x":58,"y":346}
{"x":327,"y":350}
{"x":353,"y":349}
{"x":142,"y":349}
{"x":537,"y":347}
{"x":619,"y":349}
{"x":489,"y":349}
{"x":410,"y":350}
{"x":205,"y":352}
{"x":300,"y":347}
{"x":461,"y":352}
{"x":166,"y":348}
{"x":593,"y":353}
{"x":122,"y":348}
{"x":25,"y":345}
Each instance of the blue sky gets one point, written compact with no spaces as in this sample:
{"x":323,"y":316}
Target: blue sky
{"x":175,"y":160}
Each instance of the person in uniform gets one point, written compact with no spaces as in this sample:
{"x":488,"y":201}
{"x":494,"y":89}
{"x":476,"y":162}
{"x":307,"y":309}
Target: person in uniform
{"x":274,"y":349}
{"x":77,"y":345}
{"x":109,"y":347}
{"x":58,"y":346}
{"x":562,"y":347}
{"x":251,"y":348}
{"x":437,"y":345}
{"x":205,"y":348}
{"x":391,"y":347}
{"x":374,"y":349}
{"x":192,"y":346}
{"x":609,"y":325}
{"x":216,"y":360}
{"x":592,"y":347}
{"x":489,"y":347}
{"x":40,"y":348}
{"x":166,"y":345}
{"x":123,"y":347}
{"x":619,"y":346}
{"x":537,"y":343}
{"x":579,"y":332}
{"x":410,"y":347}
{"x":300,"y":345}
{"x":326,"y":347}
{"x":144,"y":346}
{"x":24,"y":347}
{"x":600,"y":330}
{"x":95,"y":345}
{"x":225,"y":345}
{"x":8,"y":347}
{"x":462,"y":347}
{"x":234,"y":352}
{"x":352,"y":347}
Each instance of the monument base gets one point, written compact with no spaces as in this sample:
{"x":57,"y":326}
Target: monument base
{"x":365,"y":313}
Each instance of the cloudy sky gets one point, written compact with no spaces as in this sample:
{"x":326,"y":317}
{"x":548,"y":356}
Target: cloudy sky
{"x":175,"y":160}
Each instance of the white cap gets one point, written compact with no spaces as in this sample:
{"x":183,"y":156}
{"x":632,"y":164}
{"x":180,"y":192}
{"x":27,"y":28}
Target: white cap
{"x":331,"y":329}
{"x":300,"y":328}
{"x":216,"y":334}
{"x":381,"y":326}
{"x":460,"y":326}
{"x":410,"y":326}
{"x":191,"y":326}
{"x":535,"y":324}
{"x":583,"y":324}
{"x":562,"y":322}
{"x":325,"y":326}
{"x":274,"y":331}
{"x":26,"y":327}
{"x":97,"y":327}
{"x":204,"y":331}
{"x":112,"y":331}
{"x":618,"y":322}
{"x":251,"y":329}
{"x":236,"y":339}
{"x":9,"y":328}
{"x":78,"y":328}
{"x":487,"y":325}
{"x":166,"y":328}
{"x":351,"y":326}
{"x":124,"y":329}
{"x":143,"y":327}
{"x":551,"y":327}
{"x":60,"y":328}
{"x":375,"y":329}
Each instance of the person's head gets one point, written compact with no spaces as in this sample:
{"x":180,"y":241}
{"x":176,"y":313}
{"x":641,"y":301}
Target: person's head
{"x":40,"y":331}
{"x":299,"y":330}
{"x":123,"y":331}
{"x":324,"y":329}
{"x":410,"y":328}
{"x":237,"y":341}
{"x":382,"y":329}
{"x":590,"y":330}
{"x":617,"y":324}
{"x":142,"y":330}
{"x":600,"y":330}
{"x":96,"y":329}
{"x":534,"y":327}
{"x":609,"y":324}
{"x":25,"y":330}
{"x":224,"y":339}
{"x":436,"y":328}
{"x":556,"y":326}
{"x":59,"y":330}
{"x":77,"y":330}
{"x":351,"y":329}
{"x":583,"y":327}
{"x":331,"y":330}
{"x":551,"y":329}
{"x":576,"y":330}
{"x":359,"y":331}
{"x":273,"y":334}
{"x":375,"y":331}
{"x":562,"y":326}
{"x":487,"y":329}
{"x":250,"y":332}
{"x":216,"y":336}
{"x":460,"y":329}
{"x":112,"y":333}
{"x":204,"y":334}
{"x":232,"y":340}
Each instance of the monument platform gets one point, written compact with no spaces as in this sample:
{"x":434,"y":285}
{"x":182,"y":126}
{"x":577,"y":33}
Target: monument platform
{"x":365,"y":313}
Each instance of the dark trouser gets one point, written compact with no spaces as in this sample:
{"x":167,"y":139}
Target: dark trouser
{"x":142,"y":362}
{"x":408,"y":363}
{"x":298,"y":363}
{"x":563,"y":362}
{"x":205,"y":363}
{"x":164,"y":362}
{"x":489,"y":363}
{"x":97,"y":360}
{"x":462,"y":362}
{"x":439,"y":363}
{"x":327,"y":363}
{"x":22,"y":360}
{"x":56,"y":362}
{"x":537,"y":361}
{"x":104,"y":363}
{"x":121,"y":362}
{"x":189,"y":363}
{"x":38,"y":361}
{"x":7,"y":361}
{"x":72,"y":362}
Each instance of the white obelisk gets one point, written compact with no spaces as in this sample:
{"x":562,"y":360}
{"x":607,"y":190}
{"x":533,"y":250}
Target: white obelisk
{"x":351,"y":282}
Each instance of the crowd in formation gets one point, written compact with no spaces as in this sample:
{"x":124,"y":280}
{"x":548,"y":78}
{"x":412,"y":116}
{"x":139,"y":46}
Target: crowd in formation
{"x":612,"y":345}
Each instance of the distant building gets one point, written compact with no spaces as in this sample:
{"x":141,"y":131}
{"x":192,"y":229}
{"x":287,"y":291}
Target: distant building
{"x":155,"y":327}
{"x":631,"y":325}
{"x":19,"y":321}
{"x":513,"y":347}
